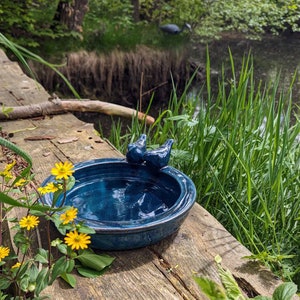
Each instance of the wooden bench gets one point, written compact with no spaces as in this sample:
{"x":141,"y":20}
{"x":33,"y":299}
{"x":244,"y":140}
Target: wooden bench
{"x":162,"y":271}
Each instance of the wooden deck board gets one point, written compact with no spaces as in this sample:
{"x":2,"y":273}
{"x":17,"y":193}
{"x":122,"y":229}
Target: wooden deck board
{"x":161,"y":271}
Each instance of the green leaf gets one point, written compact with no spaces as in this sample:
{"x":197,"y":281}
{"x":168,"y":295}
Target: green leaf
{"x":262,"y":298}
{"x":42,"y":280}
{"x":62,"y":248}
{"x":32,"y":272}
{"x":42,"y":256}
{"x":21,"y":241}
{"x":70,"y":183}
{"x":60,"y":267}
{"x":57,"y":222}
{"x":95,"y":261}
{"x":211,"y":289}
{"x":89,"y":273}
{"x":10,"y":201}
{"x":23,"y":268}
{"x":6,"y":110}
{"x":56,"y":196}
{"x":232,"y":289}
{"x":3,"y":296}
{"x":69,"y":278}
{"x":285,"y":291}
{"x":37,"y":213}
{"x":24,"y":282}
{"x":71,"y":265}
{"x":85,"y":229}
{"x":4,"y":283}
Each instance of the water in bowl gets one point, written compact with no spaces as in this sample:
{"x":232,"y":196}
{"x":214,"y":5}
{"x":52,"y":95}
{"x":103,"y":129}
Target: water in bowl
{"x":118,"y":199}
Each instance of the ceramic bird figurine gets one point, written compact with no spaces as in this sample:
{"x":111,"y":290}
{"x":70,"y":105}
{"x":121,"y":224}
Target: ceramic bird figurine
{"x":136,"y":150}
{"x":159,"y":158}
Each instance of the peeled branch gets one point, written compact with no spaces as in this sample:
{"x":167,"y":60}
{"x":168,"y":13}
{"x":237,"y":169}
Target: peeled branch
{"x":57,"y":106}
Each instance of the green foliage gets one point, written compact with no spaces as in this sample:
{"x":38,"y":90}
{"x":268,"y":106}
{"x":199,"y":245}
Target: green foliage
{"x":285,"y":291}
{"x":252,"y":17}
{"x":93,"y":261}
{"x":231,"y":290}
{"x":26,"y":20}
{"x":211,"y":18}
{"x":174,"y":10}
{"x":109,"y":24}
{"x":116,"y":13}
{"x":211,"y":289}
{"x":240,"y":147}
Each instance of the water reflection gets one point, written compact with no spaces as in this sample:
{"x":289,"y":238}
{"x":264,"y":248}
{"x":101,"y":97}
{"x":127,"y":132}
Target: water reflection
{"x":271,"y":56}
{"x":119,"y":199}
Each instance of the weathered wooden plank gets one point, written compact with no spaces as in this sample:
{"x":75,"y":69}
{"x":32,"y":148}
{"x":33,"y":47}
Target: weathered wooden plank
{"x":199,"y":240}
{"x":17,"y":86}
{"x":83,"y":145}
{"x":133,"y":276}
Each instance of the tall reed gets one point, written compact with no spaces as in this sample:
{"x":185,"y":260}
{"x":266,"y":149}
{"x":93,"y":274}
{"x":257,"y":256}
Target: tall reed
{"x":241,"y":148}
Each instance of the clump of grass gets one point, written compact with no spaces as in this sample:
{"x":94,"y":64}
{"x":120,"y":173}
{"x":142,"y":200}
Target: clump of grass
{"x":241,"y":149}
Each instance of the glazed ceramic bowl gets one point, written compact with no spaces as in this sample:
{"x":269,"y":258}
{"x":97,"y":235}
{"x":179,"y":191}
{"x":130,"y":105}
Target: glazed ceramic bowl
{"x":128,"y":205}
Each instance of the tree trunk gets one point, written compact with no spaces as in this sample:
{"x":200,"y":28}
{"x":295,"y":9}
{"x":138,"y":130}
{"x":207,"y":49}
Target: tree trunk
{"x":71,"y":14}
{"x":136,"y":10}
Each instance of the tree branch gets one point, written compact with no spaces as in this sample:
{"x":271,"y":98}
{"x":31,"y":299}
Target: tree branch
{"x":58,"y":106}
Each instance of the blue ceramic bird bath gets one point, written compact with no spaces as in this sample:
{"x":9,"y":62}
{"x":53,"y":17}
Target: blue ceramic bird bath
{"x":128,"y":205}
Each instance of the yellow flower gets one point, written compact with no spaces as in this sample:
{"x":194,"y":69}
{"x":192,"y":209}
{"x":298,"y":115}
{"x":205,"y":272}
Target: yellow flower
{"x":29,"y":222}
{"x":51,"y":187}
{"x":21,"y":182}
{"x":62,"y":170}
{"x":69,"y":215}
{"x":9,"y":167}
{"x":16,"y":265}
{"x":7,"y":171}
{"x":4,"y":251}
{"x":43,"y":190}
{"x":77,"y":240}
{"x":6,"y":174}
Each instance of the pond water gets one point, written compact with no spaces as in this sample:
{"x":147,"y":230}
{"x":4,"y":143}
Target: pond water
{"x":271,"y":55}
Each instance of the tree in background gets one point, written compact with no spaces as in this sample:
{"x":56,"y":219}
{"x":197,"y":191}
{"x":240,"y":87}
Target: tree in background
{"x":71,"y":14}
{"x":136,"y":10}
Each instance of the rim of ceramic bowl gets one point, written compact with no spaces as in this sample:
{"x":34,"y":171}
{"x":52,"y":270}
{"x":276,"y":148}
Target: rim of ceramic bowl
{"x":179,"y":209}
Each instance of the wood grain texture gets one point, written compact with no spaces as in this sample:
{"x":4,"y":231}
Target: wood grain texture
{"x":161,"y":271}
